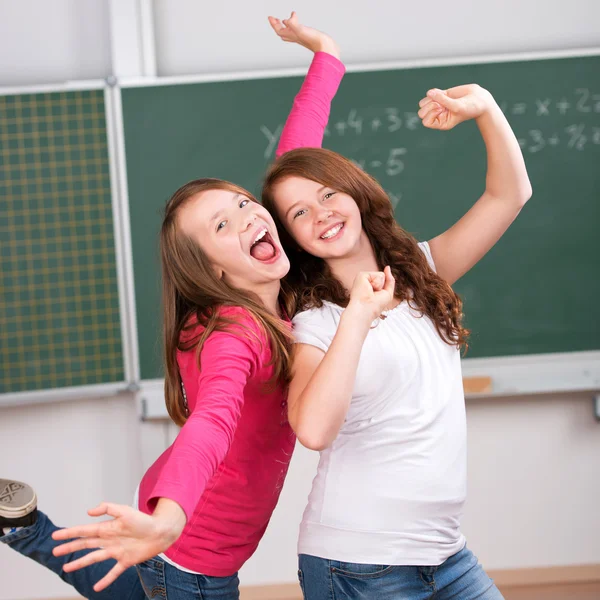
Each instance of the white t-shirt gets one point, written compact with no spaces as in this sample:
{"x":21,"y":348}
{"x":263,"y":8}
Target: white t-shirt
{"x":390,"y":489}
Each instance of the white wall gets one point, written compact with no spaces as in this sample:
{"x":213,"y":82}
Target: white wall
{"x":47,"y":42}
{"x":533,"y":484}
{"x":208,"y":37}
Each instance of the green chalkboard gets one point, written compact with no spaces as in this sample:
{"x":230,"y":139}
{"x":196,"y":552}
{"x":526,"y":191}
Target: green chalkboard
{"x":59,"y":308}
{"x":535,"y":292}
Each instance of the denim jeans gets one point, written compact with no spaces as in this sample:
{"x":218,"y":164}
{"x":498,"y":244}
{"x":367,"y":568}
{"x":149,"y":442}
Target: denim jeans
{"x":152,"y":579}
{"x":460,"y":577}
{"x":36,"y":542}
{"x":162,"y":580}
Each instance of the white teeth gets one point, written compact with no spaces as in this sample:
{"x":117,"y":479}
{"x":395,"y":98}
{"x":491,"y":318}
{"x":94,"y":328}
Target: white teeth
{"x":260,"y":236}
{"x":333,"y":231}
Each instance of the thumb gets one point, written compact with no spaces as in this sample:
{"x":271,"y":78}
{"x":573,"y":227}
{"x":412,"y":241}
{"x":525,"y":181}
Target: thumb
{"x":443,"y":99}
{"x":106,"y":508}
{"x":390,"y":283}
{"x":99,"y":510}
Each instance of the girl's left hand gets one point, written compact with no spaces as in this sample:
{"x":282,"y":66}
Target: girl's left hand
{"x":291,"y":30}
{"x":445,"y":109}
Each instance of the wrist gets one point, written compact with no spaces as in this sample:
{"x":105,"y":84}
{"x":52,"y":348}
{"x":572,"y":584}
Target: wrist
{"x":169,"y":520}
{"x":359,"y":315}
{"x":489,"y":105}
{"x":328,"y":46}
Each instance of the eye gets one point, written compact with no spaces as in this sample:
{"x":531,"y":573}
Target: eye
{"x":221,"y":225}
{"x":299,"y":213}
{"x":243,"y":202}
{"x":328,"y":195}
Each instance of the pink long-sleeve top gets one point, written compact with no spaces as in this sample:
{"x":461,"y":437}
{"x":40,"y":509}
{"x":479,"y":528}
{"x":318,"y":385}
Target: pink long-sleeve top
{"x":227,"y":466}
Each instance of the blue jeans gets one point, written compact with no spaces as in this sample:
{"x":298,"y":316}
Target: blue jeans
{"x":36,"y":543}
{"x":152,"y":579}
{"x":460,"y":577}
{"x":162,"y":580}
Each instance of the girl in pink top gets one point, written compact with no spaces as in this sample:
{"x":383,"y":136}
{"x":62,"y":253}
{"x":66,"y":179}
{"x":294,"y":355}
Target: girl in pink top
{"x":206,"y":502}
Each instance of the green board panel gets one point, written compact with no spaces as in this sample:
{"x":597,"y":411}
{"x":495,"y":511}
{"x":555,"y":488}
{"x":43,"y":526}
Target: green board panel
{"x":59,"y":308}
{"x":537,"y":289}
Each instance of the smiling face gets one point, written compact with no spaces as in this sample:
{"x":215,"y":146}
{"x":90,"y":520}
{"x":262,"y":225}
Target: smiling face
{"x":237,"y":235}
{"x":324,"y":222}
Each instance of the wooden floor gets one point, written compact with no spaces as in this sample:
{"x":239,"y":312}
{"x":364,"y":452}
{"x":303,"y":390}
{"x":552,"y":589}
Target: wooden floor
{"x":573,"y":591}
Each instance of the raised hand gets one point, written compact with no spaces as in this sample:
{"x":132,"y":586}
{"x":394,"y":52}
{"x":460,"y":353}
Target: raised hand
{"x":291,"y":30}
{"x":445,"y":109}
{"x":130,"y":538}
{"x":372,"y":293}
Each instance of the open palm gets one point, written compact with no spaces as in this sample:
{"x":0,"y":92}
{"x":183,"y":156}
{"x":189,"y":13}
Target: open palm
{"x":130,"y":538}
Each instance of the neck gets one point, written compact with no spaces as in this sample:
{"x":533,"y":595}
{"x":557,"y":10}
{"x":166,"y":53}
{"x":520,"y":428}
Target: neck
{"x":269,"y":294}
{"x":362,"y":258}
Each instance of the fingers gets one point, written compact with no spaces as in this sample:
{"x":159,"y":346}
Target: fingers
{"x":377,"y":280}
{"x":442,"y":98}
{"x":432,"y":107}
{"x":292,"y":21}
{"x":110,"y":577}
{"x":99,"y":510}
{"x":90,"y":530}
{"x":76,"y":545}
{"x":114,"y":510}
{"x":277,"y":26}
{"x":87,"y":560}
{"x":433,"y":119}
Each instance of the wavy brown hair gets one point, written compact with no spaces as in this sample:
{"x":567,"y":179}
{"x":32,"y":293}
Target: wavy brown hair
{"x":192,"y":294}
{"x":312,"y":281}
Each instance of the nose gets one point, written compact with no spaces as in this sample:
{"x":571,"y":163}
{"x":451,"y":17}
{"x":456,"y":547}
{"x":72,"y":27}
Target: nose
{"x":323,"y":215}
{"x":248,"y":222}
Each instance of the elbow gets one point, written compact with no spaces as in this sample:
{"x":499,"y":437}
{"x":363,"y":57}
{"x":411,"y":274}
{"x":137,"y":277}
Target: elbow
{"x":525,"y":193}
{"x":312,"y":439}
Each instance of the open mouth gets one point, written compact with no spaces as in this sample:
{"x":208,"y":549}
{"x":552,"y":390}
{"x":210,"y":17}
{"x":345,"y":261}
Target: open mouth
{"x":264,"y":248}
{"x":333,"y":232}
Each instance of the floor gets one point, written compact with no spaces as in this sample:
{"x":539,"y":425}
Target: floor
{"x":575,"y":591}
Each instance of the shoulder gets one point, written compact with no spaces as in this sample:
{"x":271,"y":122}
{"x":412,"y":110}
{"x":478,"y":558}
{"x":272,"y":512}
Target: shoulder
{"x":328,"y":314}
{"x":317,"y":326}
{"x":236,"y":325}
{"x":426,"y":250}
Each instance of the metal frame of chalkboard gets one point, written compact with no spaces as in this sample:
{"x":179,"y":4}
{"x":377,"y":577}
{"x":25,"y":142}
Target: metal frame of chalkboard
{"x":120,"y":217}
{"x":511,"y":375}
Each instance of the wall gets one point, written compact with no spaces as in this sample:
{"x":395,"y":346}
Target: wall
{"x":532,"y":461}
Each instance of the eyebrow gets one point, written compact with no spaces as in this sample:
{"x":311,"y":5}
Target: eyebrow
{"x":319,"y":191}
{"x":235,"y":198}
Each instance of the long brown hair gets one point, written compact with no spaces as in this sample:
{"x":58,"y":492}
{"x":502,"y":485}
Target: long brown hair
{"x":192,"y":293}
{"x":310,"y":277}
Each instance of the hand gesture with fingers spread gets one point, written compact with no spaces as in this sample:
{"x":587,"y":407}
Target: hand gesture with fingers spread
{"x":130,"y":538}
{"x":445,"y":109}
{"x":372,"y":293}
{"x":291,"y":30}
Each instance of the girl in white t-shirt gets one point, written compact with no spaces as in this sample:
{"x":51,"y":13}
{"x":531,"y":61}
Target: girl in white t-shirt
{"x":383,"y":401}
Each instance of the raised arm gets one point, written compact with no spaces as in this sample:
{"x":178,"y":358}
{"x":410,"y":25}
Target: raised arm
{"x":308,"y":118}
{"x":507,"y":186}
{"x":322,"y":383}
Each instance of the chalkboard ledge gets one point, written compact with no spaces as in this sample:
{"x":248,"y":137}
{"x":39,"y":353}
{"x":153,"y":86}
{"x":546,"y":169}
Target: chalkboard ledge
{"x":68,"y":394}
{"x":511,"y":376}
{"x":536,"y":373}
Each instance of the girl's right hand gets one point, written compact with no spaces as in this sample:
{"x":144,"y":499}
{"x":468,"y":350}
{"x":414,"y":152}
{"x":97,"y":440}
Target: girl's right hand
{"x":291,"y":30}
{"x":130,"y":537}
{"x":372,"y":293}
